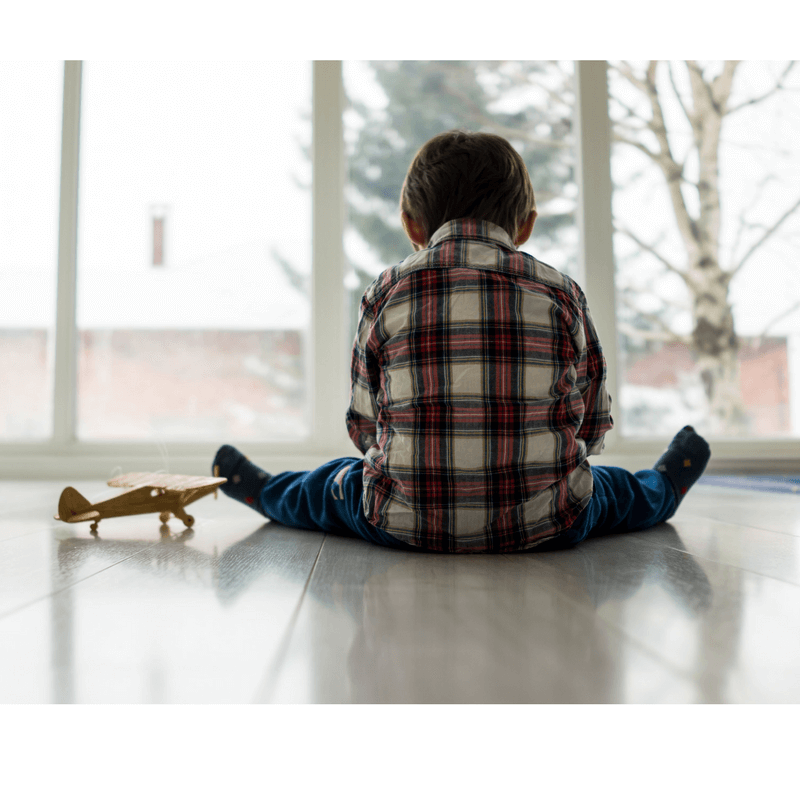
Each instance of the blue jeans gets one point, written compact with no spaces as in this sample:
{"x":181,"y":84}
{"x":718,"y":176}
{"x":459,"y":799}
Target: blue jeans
{"x":325,"y":499}
{"x":622,"y":502}
{"x":329,"y":499}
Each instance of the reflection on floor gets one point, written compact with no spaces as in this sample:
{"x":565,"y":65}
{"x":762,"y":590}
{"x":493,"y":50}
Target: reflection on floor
{"x":704,"y":609}
{"x":764,"y":483}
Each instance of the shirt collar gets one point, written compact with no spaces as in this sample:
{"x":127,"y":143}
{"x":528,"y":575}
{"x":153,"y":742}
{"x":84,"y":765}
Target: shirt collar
{"x":480,"y":229}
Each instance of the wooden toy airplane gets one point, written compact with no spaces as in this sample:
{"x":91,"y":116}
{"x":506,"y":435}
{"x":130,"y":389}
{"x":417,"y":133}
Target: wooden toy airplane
{"x":149,"y":493}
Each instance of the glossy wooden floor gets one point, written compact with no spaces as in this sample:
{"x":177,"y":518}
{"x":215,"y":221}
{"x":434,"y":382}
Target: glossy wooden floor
{"x":704,"y":609}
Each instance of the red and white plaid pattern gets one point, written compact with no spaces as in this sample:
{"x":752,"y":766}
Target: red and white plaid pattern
{"x":478,"y":390}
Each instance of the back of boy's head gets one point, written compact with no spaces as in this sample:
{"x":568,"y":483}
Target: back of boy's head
{"x":461,"y":174}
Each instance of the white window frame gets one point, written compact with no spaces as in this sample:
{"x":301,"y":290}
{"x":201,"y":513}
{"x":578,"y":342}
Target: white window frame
{"x":327,"y":360}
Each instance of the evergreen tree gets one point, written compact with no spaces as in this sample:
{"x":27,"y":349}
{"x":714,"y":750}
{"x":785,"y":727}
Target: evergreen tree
{"x":529,"y":103}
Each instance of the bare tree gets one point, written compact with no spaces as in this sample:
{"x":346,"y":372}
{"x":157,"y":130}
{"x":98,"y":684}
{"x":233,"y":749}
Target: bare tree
{"x":695,"y":204}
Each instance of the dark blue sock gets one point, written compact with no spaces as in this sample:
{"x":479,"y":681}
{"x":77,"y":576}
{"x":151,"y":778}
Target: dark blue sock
{"x":245,"y":479}
{"x":684,"y":460}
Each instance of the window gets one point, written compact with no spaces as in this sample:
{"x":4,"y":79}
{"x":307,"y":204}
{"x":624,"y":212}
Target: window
{"x":192,"y":308}
{"x":194,"y":251}
{"x":30,"y":141}
{"x":705,"y":167}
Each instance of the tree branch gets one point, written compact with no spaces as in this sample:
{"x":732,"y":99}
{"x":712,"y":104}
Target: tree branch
{"x":699,"y":83}
{"x":764,"y":238}
{"x":618,"y":137}
{"x":689,"y":116}
{"x":777,"y":87}
{"x":631,"y":112}
{"x":673,"y":171}
{"x":780,"y":316}
{"x":651,"y":249}
{"x":721,"y":87}
{"x":744,"y":225}
{"x":652,"y":66}
{"x":626,"y":126}
{"x":524,"y":78}
{"x":651,"y":317}
{"x":627,"y":72}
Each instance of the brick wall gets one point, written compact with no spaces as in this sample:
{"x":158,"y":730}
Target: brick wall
{"x":764,"y":379}
{"x":250,"y":384}
{"x":161,"y":384}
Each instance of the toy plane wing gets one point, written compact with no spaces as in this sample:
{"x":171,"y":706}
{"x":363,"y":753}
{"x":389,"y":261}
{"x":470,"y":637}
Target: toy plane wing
{"x":158,"y":480}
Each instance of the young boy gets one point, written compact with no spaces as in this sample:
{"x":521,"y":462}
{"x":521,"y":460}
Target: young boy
{"x":478,"y":388}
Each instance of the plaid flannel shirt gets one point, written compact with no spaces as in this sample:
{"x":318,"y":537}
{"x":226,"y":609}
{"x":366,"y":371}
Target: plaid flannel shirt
{"x":478,"y":391}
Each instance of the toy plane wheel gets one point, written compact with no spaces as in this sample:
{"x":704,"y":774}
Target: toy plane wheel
{"x":164,"y":516}
{"x":93,"y":528}
{"x":189,"y":521}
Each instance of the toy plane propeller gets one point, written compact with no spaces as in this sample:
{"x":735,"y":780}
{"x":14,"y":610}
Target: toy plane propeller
{"x":148,"y":493}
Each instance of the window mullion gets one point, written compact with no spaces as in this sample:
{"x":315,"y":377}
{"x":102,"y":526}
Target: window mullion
{"x":329,"y":362}
{"x":594,"y":211}
{"x":66,"y":335}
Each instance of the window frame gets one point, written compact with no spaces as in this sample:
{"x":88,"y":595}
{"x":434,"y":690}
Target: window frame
{"x":327,"y":362}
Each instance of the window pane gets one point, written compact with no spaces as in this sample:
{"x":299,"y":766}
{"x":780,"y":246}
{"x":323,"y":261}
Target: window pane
{"x":396,"y":106}
{"x":30,"y":153}
{"x":707,"y":244}
{"x":194,"y":251}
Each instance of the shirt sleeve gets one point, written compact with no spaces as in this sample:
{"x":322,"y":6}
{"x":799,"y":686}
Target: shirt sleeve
{"x":597,"y":419}
{"x":362,"y":415}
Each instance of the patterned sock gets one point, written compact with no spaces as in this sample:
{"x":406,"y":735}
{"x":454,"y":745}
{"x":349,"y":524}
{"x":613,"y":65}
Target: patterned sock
{"x":684,"y":460}
{"x":245,"y":479}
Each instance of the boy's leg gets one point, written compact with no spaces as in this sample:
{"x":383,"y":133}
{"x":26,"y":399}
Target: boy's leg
{"x":306,"y":499}
{"x":244,"y":479}
{"x":325,"y":499}
{"x":624,"y":501}
{"x":630,"y":502}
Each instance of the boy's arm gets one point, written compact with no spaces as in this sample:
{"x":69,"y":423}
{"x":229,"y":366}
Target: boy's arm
{"x":361,"y":426}
{"x":362,"y":414}
{"x":597,"y":419}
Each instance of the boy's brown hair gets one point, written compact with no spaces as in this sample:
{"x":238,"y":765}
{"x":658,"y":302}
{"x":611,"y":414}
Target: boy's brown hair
{"x":464,"y":174}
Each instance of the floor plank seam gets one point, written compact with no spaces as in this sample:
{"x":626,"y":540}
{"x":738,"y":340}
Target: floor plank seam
{"x":742,"y":525}
{"x":45,"y":529}
{"x":266,"y":689}
{"x":708,"y":560}
{"x":29,"y":603}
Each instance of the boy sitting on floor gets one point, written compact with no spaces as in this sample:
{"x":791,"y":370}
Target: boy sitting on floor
{"x":478,"y":388}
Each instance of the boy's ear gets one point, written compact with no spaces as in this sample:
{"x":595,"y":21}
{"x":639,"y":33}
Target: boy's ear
{"x":414,"y":230}
{"x":525,"y":229}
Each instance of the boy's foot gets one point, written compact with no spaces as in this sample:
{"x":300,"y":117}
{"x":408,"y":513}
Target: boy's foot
{"x":245,"y":479}
{"x":684,"y":461}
